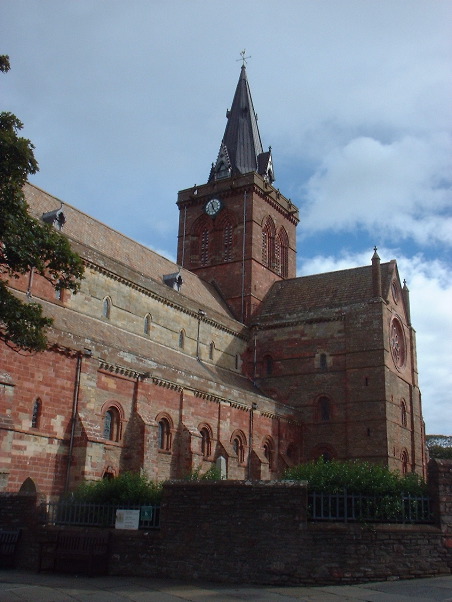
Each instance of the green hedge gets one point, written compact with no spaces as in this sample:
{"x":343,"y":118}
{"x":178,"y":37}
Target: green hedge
{"x":128,"y":488}
{"x":357,"y":477}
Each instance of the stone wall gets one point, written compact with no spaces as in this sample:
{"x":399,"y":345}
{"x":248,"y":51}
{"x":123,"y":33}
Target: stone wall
{"x":257,"y":532}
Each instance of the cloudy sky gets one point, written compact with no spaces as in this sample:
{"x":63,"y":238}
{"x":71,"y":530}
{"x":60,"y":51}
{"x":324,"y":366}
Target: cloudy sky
{"x":125,"y":104}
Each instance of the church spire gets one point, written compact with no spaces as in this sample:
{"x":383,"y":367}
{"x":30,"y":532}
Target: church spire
{"x":241,"y":148}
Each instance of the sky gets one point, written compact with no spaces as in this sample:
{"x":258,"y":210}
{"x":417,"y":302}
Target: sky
{"x":126,"y":104}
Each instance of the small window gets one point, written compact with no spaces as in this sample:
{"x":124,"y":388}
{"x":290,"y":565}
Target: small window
{"x":181,"y":339}
{"x":268,"y":452}
{"x":323,"y":361}
{"x":106,"y":308}
{"x":147,"y":324}
{"x":164,"y":434}
{"x":211,"y":350}
{"x":206,"y":442}
{"x":36,"y":414}
{"x":112,"y":424}
{"x":268,"y":365}
{"x":239,"y":447}
{"x":403,"y":412}
{"x":324,"y":409}
{"x":404,"y":458}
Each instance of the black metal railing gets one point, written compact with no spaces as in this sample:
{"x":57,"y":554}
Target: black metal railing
{"x":349,"y":507}
{"x":81,"y":514}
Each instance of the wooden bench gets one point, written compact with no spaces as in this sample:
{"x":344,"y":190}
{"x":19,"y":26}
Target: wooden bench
{"x":76,"y":551}
{"x":8,"y":546}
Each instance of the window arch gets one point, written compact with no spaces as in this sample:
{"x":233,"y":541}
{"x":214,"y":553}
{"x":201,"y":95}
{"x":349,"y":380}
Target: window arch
{"x":112,"y":424}
{"x":211,"y":350}
{"x":403,"y":413}
{"x":36,"y":413}
{"x":238,"y":441}
{"x":323,"y":452}
{"x":268,"y":365}
{"x":323,"y":409}
{"x":106,"y":308}
{"x":206,"y":440}
{"x":147,"y":324}
{"x":164,"y":433}
{"x":182,"y":339}
{"x":404,"y":458}
{"x":268,"y":236}
{"x":281,"y":253}
{"x":269,"y":452}
{"x":323,"y":361}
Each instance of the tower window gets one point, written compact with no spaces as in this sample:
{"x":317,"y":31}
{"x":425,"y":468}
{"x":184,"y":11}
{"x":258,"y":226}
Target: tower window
{"x":211,"y":350}
{"x":147,"y":324}
{"x":227,"y":242}
{"x":181,"y":339}
{"x":403,"y":412}
{"x":204,"y":255}
{"x":324,"y":409}
{"x":323,"y":361}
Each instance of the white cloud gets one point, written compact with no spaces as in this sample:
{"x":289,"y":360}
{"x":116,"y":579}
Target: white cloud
{"x":402,"y":189}
{"x":430,"y":285}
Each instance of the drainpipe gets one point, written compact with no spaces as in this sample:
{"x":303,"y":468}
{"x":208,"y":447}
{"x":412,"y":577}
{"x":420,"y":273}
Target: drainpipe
{"x":78,"y":370}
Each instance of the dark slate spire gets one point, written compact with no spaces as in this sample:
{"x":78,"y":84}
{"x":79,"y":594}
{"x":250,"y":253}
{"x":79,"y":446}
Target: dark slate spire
{"x":241,"y":148}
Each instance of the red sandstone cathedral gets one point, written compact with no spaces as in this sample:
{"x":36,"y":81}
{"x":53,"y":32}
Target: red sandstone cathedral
{"x":225,"y":359}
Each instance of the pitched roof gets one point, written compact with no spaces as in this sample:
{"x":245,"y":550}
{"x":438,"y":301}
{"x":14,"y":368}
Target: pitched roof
{"x":321,"y":295}
{"x":241,"y":148}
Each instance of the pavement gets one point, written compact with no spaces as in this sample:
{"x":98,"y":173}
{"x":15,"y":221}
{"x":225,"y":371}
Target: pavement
{"x":48,"y":587}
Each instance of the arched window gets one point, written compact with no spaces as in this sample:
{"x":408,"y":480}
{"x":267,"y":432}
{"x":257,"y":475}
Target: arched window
{"x":323,"y":452}
{"x":268,"y":451}
{"x":405,"y":460}
{"x":227,"y":241}
{"x":112,"y":424}
{"x":281,"y":253}
{"x":403,"y":412}
{"x":238,"y":444}
{"x":147,"y":324}
{"x":268,"y":365}
{"x":323,"y":409}
{"x":106,"y":308}
{"x":323,"y":361}
{"x":211,"y":350}
{"x":206,"y":441}
{"x":268,"y":234}
{"x":36,"y":414}
{"x":204,"y":247}
{"x":164,"y":434}
{"x":181,"y":339}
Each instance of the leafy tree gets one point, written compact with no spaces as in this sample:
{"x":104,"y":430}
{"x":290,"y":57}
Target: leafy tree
{"x":439,"y":446}
{"x":25,"y":243}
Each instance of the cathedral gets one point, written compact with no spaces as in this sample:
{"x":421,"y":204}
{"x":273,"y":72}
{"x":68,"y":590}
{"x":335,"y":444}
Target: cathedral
{"x":224,"y":359}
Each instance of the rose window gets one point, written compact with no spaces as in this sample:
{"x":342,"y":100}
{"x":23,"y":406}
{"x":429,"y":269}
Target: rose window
{"x":397,"y":343}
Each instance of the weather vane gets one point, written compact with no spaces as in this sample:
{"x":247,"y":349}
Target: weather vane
{"x":242,"y":54}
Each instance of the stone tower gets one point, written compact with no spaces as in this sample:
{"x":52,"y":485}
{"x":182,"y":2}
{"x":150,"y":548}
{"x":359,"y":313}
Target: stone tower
{"x":237,"y":231}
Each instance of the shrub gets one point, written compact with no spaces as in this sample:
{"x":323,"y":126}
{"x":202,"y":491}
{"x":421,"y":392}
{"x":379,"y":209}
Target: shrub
{"x":357,"y":477}
{"x":127,"y":488}
{"x":213,"y":474}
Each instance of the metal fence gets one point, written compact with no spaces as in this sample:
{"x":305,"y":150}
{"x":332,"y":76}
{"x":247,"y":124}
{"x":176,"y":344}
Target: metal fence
{"x":79,"y":514}
{"x":348,"y":507}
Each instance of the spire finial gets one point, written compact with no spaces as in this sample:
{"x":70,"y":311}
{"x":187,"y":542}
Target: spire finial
{"x":242,"y":54}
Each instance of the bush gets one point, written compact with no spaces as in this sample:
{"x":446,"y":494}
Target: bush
{"x":213,"y":474}
{"x":127,"y":488}
{"x":357,"y":477}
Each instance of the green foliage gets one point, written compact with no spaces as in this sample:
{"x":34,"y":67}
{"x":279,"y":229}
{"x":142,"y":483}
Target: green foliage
{"x":357,"y":477}
{"x":26,"y":243}
{"x":127,"y":488}
{"x":439,"y":446}
{"x":213,"y":474}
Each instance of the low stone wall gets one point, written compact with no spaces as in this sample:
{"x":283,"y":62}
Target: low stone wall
{"x":236,"y":531}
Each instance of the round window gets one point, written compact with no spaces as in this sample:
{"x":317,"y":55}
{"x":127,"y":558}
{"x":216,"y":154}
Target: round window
{"x":397,"y":343}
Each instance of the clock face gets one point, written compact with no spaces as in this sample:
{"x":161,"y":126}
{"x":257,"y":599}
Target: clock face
{"x":212,"y":207}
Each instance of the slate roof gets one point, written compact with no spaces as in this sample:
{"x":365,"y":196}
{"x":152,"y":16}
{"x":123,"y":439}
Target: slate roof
{"x":321,"y":295}
{"x":241,"y":138}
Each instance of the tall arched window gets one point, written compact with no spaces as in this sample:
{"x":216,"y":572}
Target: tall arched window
{"x":164,"y":434}
{"x":112,"y":424}
{"x":281,"y":253}
{"x":181,"y":339}
{"x":404,"y":458}
{"x":268,"y":365}
{"x":268,"y":233}
{"x":36,"y":413}
{"x":323,"y":361}
{"x":227,"y":241}
{"x":106,"y":308}
{"x":238,"y":444}
{"x":211,"y":350}
{"x":324,"y":409}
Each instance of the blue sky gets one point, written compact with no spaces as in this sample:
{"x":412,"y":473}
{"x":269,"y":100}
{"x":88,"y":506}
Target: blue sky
{"x":126,"y":103}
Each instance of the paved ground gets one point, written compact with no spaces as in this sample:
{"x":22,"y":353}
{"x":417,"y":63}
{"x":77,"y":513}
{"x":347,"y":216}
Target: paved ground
{"x":34,"y":587}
